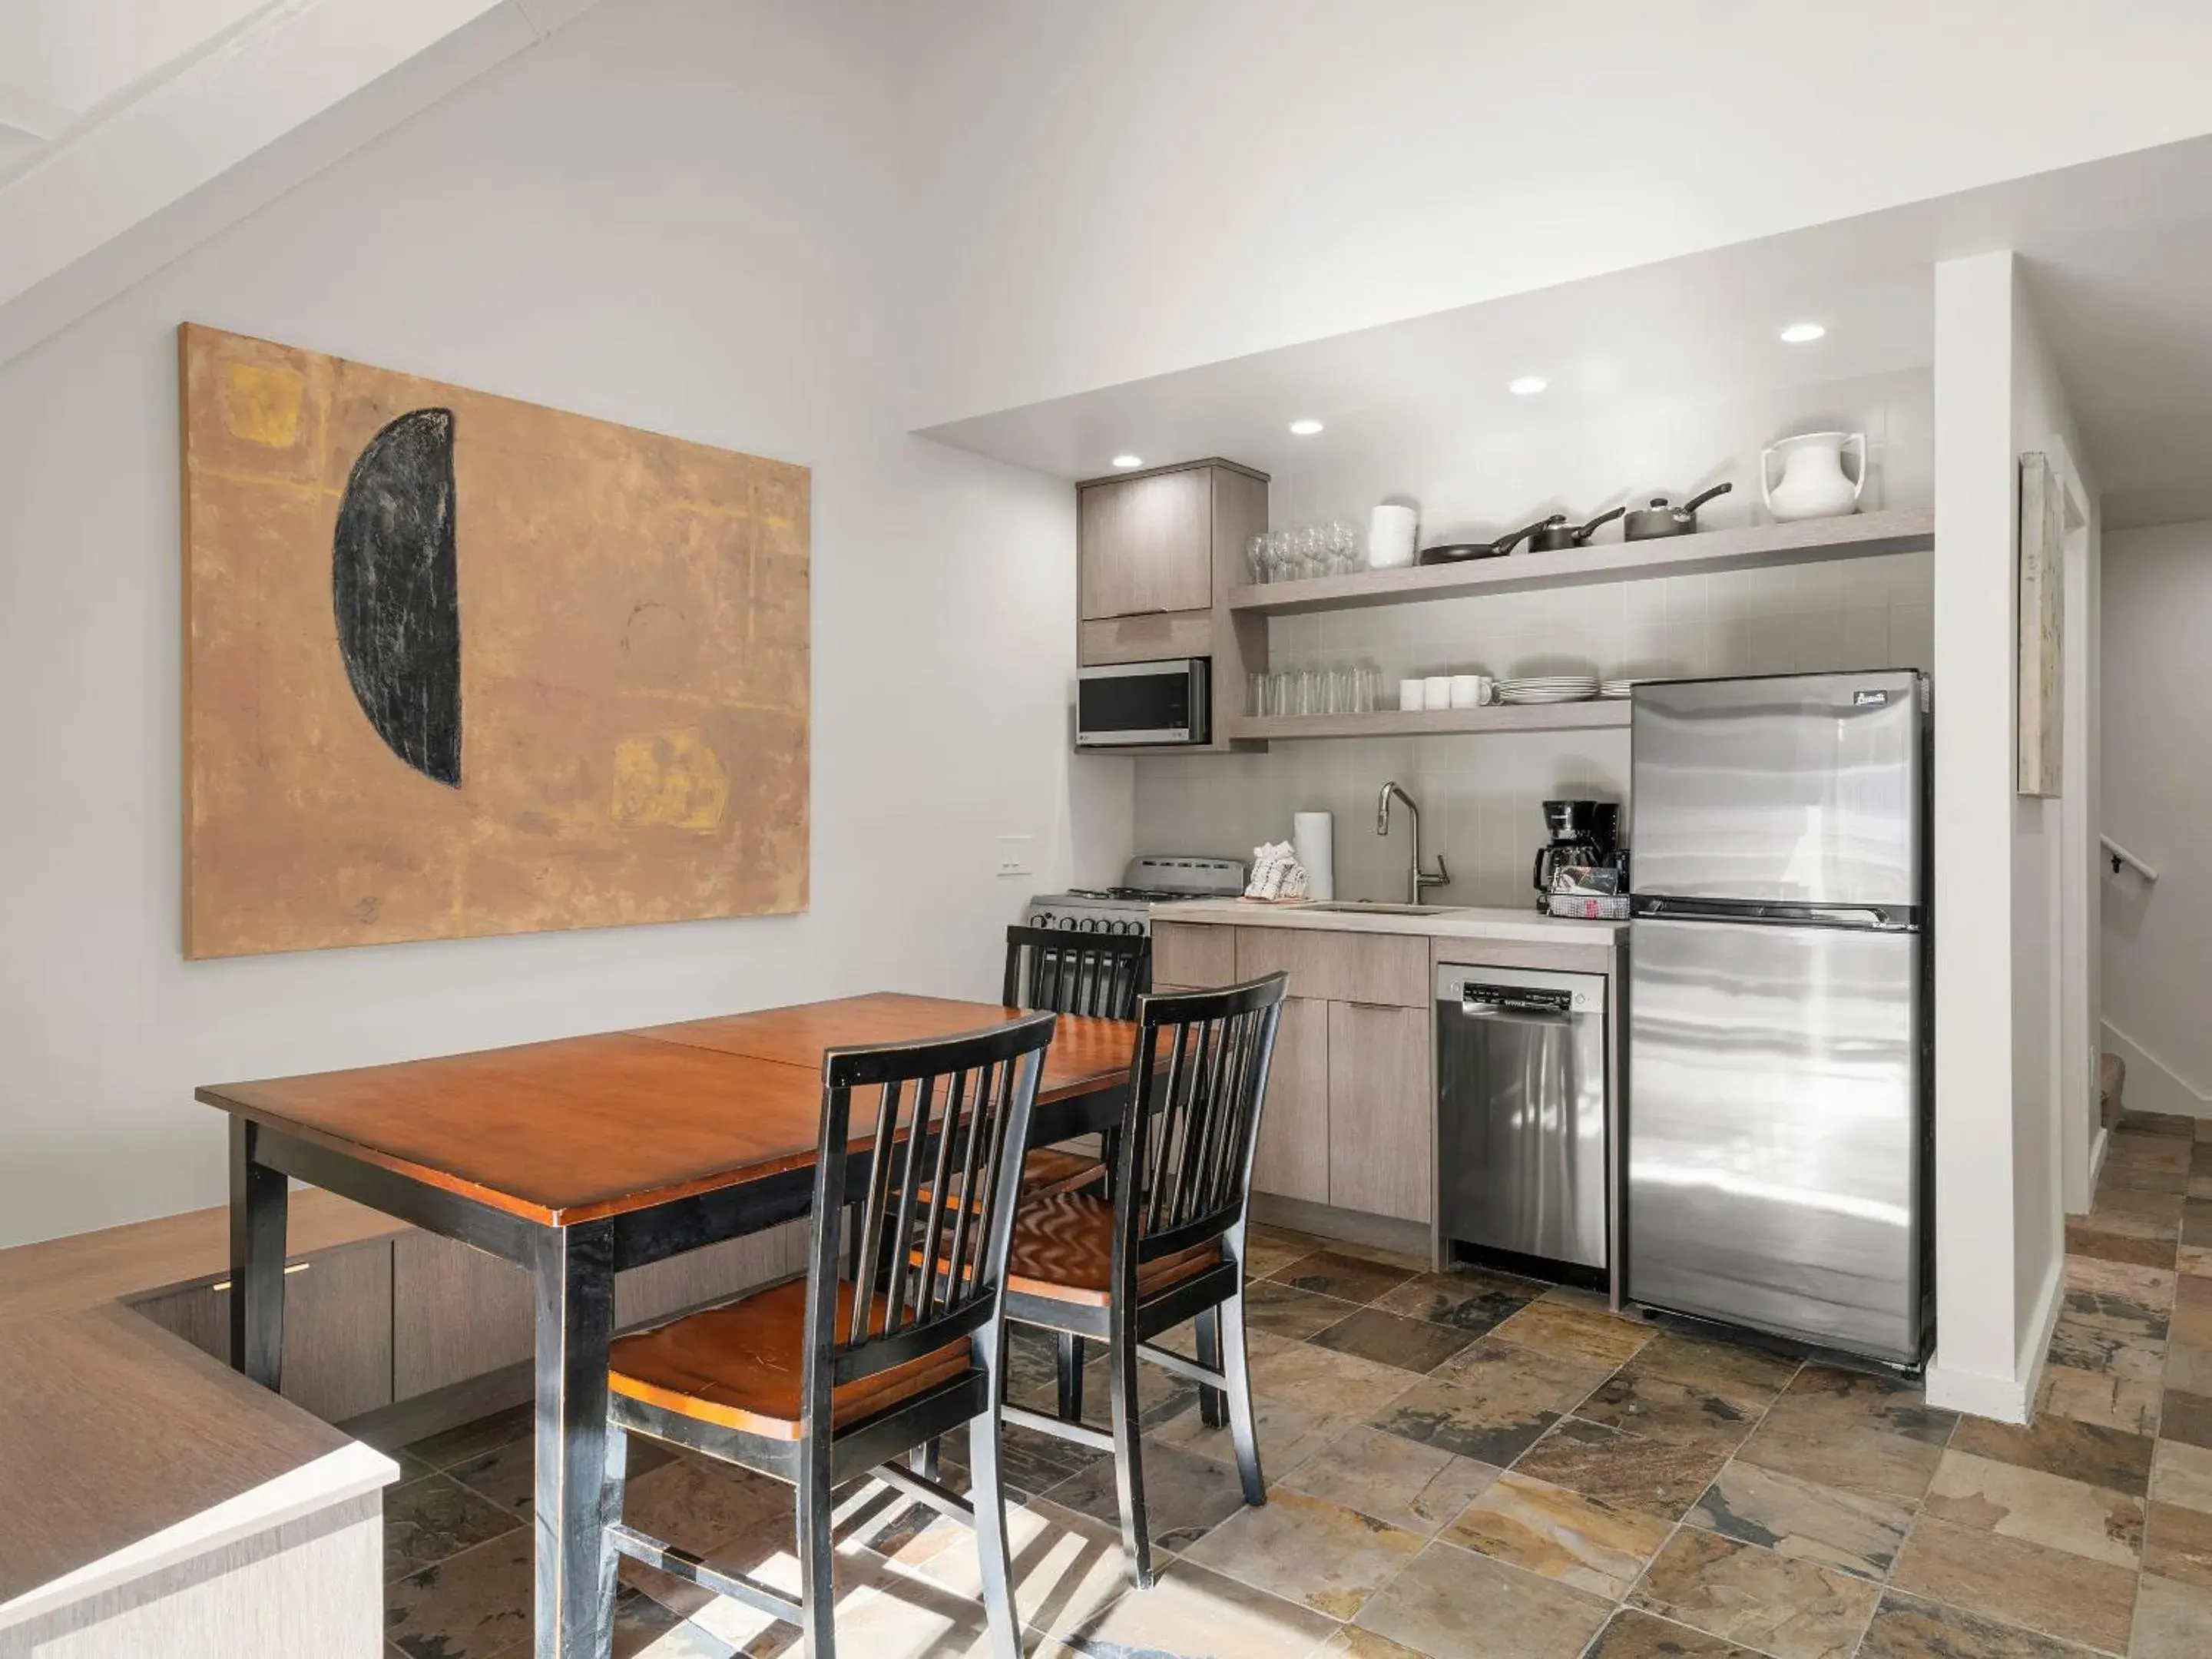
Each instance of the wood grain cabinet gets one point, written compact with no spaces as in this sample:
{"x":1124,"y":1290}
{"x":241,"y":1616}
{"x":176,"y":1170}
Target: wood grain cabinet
{"x":1156,"y":554}
{"x":456,"y":1313}
{"x":337,"y":1327}
{"x":1146,"y":545}
{"x":1382,"y":1118}
{"x":1350,"y":1120}
{"x":1292,"y":1158}
{"x":1192,"y":955}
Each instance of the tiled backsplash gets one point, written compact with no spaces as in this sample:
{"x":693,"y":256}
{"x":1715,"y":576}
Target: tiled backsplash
{"x":1479,"y":794}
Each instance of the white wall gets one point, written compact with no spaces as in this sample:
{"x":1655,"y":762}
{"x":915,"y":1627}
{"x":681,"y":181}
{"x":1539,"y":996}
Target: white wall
{"x":1999,"y":1239}
{"x":1479,"y":794}
{"x":675,"y":213}
{"x":1116,"y":191}
{"x":2041,"y":421}
{"x":2157,"y":802}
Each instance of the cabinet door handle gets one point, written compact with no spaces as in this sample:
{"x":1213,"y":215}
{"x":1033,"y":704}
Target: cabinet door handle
{"x":1380,"y":1007}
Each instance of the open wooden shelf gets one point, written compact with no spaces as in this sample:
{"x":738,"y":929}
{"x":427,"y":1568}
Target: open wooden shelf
{"x":1859,"y":536}
{"x":1596,"y":714}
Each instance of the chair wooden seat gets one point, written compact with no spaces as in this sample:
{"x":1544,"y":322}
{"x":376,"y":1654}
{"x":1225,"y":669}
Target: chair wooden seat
{"x":1057,"y":1170}
{"x":1063,"y":1249}
{"x":741,"y":1364}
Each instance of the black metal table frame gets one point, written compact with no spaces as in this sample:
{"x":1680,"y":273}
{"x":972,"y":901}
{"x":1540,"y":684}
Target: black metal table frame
{"x":572,"y":1269}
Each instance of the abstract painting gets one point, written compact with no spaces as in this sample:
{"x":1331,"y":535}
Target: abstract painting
{"x":2042,"y":681}
{"x":457,"y":664}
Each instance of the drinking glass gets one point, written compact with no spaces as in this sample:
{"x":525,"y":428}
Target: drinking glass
{"x":1282,"y":693}
{"x":1255,"y":556}
{"x":1343,"y":547}
{"x":1312,"y":692}
{"x":1344,"y":690}
{"x":1256,"y":698}
{"x":1370,"y":693}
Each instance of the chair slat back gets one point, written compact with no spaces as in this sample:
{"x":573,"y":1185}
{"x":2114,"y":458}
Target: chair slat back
{"x":946,"y":1123}
{"x":1196,"y":1086}
{"x":1099,"y":975}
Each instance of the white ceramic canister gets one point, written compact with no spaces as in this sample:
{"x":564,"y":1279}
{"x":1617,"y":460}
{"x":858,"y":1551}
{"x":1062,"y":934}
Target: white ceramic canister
{"x":1814,"y":484}
{"x":1392,"y":532}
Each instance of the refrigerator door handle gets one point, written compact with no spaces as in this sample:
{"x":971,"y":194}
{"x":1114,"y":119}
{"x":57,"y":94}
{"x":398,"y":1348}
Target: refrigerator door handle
{"x":1884,"y":918}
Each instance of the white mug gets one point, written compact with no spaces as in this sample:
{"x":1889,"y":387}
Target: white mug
{"x":1469,"y":690}
{"x":1391,"y":533}
{"x":1436,"y":691}
{"x":1410,"y":695}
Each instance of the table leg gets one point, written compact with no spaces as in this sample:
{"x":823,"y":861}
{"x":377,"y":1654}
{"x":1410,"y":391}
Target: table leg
{"x":258,"y":1202}
{"x":576,"y":1281}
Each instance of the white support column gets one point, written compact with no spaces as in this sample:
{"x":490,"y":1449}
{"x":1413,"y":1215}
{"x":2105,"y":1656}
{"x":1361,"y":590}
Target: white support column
{"x":1976,"y":1364}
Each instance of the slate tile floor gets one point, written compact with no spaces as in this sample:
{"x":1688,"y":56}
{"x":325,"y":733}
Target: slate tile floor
{"x":1470,"y":1464}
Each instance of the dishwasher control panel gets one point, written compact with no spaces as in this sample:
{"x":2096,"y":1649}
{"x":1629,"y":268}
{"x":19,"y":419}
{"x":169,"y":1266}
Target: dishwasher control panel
{"x":1530,"y":988}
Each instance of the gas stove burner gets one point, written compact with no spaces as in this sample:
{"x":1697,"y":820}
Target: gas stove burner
{"x":1127,"y":909}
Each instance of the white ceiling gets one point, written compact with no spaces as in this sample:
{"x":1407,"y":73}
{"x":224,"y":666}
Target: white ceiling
{"x":127,"y":126}
{"x":2116,"y":254}
{"x":1701,"y":329}
{"x":62,"y":61}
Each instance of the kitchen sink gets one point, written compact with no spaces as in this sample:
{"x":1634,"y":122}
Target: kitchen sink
{"x":1383,"y":907}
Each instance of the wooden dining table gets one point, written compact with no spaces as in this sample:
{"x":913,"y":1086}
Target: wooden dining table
{"x":577,"y":1159}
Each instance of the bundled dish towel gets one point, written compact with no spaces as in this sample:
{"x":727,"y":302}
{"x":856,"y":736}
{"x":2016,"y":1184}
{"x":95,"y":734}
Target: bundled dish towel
{"x":1276,"y":873}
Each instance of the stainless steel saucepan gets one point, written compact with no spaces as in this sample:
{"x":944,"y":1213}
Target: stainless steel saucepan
{"x":1661,"y":520}
{"x":1557,"y":536}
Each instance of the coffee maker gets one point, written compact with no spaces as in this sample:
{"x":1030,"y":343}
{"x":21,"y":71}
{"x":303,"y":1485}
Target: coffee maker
{"x":1585,"y":836}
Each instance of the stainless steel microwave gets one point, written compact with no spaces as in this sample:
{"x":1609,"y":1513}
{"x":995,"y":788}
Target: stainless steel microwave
{"x":1134,"y":702}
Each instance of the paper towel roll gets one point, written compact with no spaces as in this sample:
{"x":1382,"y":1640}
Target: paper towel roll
{"x":1313,"y":836}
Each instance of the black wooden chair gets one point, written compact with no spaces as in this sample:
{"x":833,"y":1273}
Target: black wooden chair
{"x":1097,"y":974}
{"x":1169,"y":1245}
{"x":818,"y":1379}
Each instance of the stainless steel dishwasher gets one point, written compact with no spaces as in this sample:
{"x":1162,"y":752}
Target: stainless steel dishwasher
{"x":1521,"y":1130}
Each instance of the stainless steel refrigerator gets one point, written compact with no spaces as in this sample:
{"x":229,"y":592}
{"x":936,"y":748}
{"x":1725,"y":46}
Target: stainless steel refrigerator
{"x":1779,"y":1131}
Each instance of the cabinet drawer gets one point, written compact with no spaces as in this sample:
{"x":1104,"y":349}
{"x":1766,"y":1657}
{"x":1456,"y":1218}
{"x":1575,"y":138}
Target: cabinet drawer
{"x":1382,"y":1118}
{"x":1193,"y":954}
{"x":1145,"y":638}
{"x":337,"y":1327}
{"x":1392,"y":968}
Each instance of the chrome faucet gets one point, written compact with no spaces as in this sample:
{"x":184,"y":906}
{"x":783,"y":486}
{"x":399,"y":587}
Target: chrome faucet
{"x":1416,"y":878}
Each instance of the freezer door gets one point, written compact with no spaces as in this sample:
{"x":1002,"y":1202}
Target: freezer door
{"x":1803,"y":789}
{"x":1773,"y":1133}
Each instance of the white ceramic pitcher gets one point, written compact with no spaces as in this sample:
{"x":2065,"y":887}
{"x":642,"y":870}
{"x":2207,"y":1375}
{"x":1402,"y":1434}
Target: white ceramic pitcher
{"x":1814,"y":484}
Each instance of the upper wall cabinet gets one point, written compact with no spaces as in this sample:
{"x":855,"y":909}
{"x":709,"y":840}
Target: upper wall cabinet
{"x":1146,"y":544}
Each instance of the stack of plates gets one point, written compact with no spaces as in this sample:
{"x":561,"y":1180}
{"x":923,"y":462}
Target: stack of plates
{"x":1616,"y":688}
{"x":1551,"y":688}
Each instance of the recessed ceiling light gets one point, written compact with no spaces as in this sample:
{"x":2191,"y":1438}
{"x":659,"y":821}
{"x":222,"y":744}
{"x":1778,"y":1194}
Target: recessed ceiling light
{"x":1528,"y":386}
{"x":1125,"y":462}
{"x":1305,"y":429}
{"x":1802,"y":333}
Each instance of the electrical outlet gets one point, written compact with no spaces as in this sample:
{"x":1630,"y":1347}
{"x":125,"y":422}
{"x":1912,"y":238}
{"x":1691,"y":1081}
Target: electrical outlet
{"x":1014,"y":855}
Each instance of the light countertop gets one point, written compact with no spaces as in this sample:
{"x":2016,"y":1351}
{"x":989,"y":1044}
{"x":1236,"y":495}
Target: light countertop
{"x":1474,"y":922}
